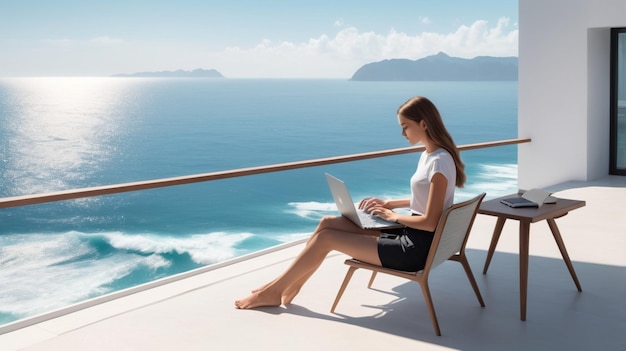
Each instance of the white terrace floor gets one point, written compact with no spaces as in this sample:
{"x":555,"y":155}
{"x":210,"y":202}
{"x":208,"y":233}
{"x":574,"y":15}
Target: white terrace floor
{"x":196,"y":313}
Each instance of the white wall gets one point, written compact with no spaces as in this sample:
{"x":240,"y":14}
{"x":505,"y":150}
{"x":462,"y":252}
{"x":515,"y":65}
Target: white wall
{"x":564,"y":89}
{"x":598,"y":102}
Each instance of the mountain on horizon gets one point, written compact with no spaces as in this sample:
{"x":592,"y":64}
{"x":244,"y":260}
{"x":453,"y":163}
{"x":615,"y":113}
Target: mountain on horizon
{"x":440,"y":67}
{"x":196,"y":73}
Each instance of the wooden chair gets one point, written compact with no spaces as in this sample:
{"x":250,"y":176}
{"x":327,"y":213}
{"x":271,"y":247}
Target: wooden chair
{"x":448,"y":243}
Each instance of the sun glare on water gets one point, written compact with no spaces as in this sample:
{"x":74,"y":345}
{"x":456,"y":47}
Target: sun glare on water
{"x":60,"y":129}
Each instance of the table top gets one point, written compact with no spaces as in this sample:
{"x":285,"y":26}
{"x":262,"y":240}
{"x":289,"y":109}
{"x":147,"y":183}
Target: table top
{"x":560,"y":208}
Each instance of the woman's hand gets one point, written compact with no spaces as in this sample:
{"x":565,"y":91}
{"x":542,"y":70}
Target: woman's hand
{"x":378,"y":207}
{"x":370,"y":203}
{"x":384,"y":213}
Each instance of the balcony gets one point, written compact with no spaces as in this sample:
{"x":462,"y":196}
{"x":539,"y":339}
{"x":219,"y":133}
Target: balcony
{"x":194,"y":310}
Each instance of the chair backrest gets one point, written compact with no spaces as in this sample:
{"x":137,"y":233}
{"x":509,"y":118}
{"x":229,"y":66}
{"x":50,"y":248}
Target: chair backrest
{"x":452,"y":231}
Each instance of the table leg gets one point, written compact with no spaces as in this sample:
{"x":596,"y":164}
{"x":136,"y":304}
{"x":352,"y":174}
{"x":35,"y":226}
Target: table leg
{"x":524,"y":238}
{"x":559,"y":241}
{"x":494,"y":241}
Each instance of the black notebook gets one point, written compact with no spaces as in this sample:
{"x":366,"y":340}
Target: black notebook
{"x":531,"y":198}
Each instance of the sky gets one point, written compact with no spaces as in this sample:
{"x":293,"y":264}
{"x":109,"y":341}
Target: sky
{"x":245,"y":38}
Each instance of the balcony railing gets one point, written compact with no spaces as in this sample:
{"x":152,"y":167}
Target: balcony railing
{"x":34,"y":199}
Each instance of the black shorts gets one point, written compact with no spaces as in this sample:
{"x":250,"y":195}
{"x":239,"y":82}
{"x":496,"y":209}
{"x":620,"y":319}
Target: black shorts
{"x":404,"y":249}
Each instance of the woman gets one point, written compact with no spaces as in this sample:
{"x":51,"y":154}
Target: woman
{"x":439,"y":170}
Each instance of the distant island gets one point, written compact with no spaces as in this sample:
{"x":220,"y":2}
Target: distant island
{"x":196,"y":73}
{"x":440,"y":67}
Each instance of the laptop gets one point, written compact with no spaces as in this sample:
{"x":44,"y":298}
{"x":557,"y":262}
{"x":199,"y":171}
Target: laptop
{"x":346,"y":207}
{"x":530,"y":198}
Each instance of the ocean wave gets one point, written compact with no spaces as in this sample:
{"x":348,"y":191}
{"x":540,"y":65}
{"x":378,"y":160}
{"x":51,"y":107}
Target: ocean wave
{"x":312,"y":210}
{"x":202,"y":248}
{"x":494,"y":179}
{"x":42,"y":272}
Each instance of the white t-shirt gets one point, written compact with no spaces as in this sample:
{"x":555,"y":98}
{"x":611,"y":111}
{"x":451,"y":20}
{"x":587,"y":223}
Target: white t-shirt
{"x":439,"y":161}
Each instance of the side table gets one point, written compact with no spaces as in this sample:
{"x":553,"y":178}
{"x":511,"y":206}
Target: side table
{"x":526,"y":216}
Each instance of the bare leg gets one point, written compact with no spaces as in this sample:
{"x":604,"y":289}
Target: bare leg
{"x":333,"y":223}
{"x":328,"y":222}
{"x":286,"y":286}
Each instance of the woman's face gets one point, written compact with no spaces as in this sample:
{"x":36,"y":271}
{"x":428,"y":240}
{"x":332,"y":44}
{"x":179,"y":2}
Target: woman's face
{"x":413,"y":131}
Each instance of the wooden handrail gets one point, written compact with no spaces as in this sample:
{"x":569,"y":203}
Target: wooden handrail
{"x":24,"y":200}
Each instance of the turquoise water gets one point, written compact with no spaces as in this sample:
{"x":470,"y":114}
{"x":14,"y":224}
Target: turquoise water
{"x":65,"y":133}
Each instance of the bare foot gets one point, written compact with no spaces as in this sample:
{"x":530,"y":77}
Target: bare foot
{"x":259,"y":299}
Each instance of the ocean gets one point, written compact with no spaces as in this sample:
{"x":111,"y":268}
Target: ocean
{"x":66,"y":133}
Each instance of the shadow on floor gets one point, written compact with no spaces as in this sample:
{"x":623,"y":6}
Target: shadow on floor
{"x":558,"y":316}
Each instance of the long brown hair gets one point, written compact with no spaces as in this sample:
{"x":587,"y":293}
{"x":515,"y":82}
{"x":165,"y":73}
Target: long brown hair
{"x":420,"y":109}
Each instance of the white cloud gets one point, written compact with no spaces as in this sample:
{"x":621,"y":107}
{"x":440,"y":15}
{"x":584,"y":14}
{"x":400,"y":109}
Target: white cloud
{"x":326,"y":56}
{"x":340,"y":56}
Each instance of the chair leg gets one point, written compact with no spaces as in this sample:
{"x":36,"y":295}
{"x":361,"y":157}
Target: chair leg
{"x":346,"y":280}
{"x":369,"y":285}
{"x":429,"y":304}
